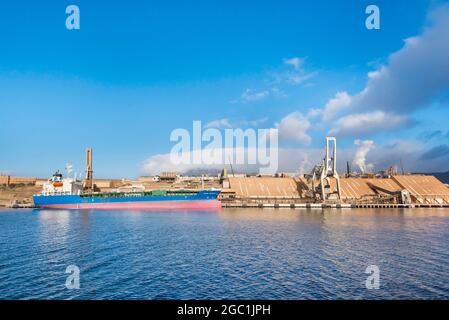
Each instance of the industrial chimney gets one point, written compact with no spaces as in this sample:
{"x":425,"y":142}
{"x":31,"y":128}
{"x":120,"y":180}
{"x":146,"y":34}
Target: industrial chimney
{"x":89,"y":182}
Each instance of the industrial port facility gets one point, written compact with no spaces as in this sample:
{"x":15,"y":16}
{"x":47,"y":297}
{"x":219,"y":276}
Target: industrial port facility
{"x":322,"y":187}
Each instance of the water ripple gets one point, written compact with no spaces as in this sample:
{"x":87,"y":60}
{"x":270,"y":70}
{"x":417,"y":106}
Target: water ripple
{"x":233,"y":254}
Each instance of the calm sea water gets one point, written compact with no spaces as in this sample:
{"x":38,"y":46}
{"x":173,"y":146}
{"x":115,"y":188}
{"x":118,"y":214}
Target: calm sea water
{"x":231,"y":254}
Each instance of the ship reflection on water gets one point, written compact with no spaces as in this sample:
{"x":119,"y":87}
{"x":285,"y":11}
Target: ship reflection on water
{"x":226,"y":254}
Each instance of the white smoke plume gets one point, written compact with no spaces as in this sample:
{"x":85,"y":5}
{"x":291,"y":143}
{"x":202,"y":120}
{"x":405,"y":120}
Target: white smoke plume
{"x":360,"y":155}
{"x":304,"y":165}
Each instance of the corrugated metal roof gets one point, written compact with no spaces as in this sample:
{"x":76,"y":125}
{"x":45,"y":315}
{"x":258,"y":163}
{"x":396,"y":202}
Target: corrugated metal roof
{"x":264,"y":187}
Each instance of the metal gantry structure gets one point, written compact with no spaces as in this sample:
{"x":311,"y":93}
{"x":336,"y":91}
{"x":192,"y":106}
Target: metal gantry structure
{"x":322,"y":174}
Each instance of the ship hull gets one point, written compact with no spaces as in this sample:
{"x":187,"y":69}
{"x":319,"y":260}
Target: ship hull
{"x":152,"y":205}
{"x":203,"y":200}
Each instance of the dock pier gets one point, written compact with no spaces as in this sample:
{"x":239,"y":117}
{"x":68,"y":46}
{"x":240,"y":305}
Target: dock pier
{"x":328,"y":206}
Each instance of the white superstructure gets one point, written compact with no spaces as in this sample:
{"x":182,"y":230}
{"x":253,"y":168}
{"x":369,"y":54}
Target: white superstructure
{"x":58,"y":185}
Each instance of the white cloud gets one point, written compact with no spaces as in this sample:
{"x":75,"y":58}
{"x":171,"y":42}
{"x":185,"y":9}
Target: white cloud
{"x":298,"y":78}
{"x":290,"y":160}
{"x":412,"y":77}
{"x":336,"y":104}
{"x":371,"y":122}
{"x":415,"y":74}
{"x":295,"y":62}
{"x":292,"y":76}
{"x":294,"y":127}
{"x":219,"y":123}
{"x":278,"y":93}
{"x":253,"y":123}
{"x":254,"y":95}
{"x":314,"y":112}
{"x":225,"y":123}
{"x":277,"y":80}
{"x":259,"y":158}
{"x":301,"y":160}
{"x":163,"y":162}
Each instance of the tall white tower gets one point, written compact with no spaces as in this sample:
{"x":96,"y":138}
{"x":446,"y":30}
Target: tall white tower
{"x":329,"y":170}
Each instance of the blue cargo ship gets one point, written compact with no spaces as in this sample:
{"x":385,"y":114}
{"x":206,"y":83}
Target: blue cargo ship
{"x":61,"y":193}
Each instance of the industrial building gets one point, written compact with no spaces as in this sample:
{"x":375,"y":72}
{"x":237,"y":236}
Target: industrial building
{"x":396,"y":191}
{"x":322,"y":187}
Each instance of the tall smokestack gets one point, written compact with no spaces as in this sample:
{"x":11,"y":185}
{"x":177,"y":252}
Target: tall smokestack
{"x":348,"y":169}
{"x":89,"y":182}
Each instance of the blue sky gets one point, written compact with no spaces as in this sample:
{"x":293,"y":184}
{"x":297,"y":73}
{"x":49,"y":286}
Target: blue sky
{"x":136,"y":71}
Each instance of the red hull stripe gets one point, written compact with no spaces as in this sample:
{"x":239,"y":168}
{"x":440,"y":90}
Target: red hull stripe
{"x":150,"y":205}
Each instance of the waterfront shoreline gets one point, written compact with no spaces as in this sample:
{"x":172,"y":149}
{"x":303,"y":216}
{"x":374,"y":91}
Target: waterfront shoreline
{"x":406,"y":191}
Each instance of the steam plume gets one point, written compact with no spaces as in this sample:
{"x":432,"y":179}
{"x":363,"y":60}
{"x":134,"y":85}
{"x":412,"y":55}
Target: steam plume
{"x":360,"y":156}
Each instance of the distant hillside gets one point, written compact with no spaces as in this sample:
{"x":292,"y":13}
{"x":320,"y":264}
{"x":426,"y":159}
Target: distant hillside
{"x":442,"y":176}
